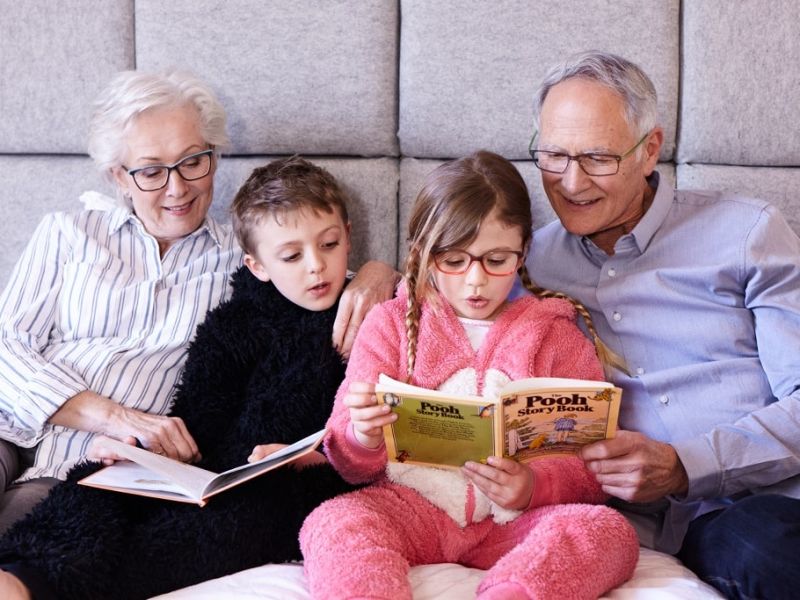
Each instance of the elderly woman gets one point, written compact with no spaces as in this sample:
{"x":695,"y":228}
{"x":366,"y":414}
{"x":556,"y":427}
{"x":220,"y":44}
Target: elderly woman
{"x":96,"y":319}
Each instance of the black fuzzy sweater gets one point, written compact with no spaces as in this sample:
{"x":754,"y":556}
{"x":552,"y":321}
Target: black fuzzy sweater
{"x":260,"y":370}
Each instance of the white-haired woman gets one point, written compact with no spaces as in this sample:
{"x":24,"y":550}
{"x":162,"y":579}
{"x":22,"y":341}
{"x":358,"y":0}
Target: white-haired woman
{"x":100,"y":308}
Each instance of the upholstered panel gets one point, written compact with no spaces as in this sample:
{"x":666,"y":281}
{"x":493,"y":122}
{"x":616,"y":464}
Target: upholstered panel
{"x":468,"y":75}
{"x":741,"y":80}
{"x":34,"y":186}
{"x":54,"y":59}
{"x":371,"y":183}
{"x":776,"y":185}
{"x":310,"y":77}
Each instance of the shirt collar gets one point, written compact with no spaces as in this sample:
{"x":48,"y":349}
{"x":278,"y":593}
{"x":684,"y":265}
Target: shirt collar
{"x":123,"y":215}
{"x":645,"y":229}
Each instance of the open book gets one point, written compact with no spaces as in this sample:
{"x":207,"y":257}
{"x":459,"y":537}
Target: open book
{"x":530,"y":418}
{"x":157,"y":476}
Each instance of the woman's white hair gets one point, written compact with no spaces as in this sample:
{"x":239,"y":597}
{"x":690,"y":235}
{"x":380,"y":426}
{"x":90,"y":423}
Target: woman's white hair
{"x":131,"y":93}
{"x":621,"y":76}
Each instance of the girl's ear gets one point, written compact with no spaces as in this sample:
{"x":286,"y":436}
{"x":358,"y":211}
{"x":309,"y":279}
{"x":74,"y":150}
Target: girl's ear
{"x":256,"y":268}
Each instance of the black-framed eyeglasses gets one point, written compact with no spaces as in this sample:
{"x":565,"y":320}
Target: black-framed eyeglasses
{"x":155,"y":177}
{"x":494,"y":262}
{"x":592,"y":163}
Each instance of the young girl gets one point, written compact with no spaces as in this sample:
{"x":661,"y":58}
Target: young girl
{"x":454,"y":329}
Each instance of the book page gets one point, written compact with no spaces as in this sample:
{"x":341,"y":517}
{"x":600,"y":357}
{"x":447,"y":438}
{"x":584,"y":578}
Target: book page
{"x":435,"y":428}
{"x":122,"y":475}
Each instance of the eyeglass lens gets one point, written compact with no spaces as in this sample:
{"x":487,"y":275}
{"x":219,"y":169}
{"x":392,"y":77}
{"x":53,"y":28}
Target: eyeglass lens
{"x":455,"y":262}
{"x":190,"y":168}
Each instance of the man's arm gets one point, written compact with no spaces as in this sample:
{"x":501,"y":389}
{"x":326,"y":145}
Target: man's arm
{"x":374,"y":283}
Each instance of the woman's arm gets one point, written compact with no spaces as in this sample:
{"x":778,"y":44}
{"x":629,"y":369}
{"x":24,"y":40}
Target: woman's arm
{"x":33,"y":388}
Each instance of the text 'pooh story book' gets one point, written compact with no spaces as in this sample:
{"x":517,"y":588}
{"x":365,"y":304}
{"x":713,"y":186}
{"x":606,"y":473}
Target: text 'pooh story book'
{"x":530,"y":418}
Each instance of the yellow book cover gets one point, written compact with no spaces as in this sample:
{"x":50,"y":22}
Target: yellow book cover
{"x":533,"y":417}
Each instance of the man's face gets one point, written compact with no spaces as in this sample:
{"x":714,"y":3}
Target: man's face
{"x":580,"y":116}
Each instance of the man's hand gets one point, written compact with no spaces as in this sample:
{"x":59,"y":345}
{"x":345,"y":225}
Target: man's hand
{"x":505,"y":482}
{"x":374,"y":283}
{"x":635,"y":468}
{"x":88,"y":411}
{"x":368,"y":417}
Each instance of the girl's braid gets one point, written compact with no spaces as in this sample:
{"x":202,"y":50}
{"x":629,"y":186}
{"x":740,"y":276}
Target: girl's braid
{"x":607,"y":356}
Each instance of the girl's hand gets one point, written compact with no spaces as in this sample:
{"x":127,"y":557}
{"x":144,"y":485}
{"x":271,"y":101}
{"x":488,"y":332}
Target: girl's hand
{"x":505,"y":482}
{"x":368,"y":417}
{"x":263,"y":450}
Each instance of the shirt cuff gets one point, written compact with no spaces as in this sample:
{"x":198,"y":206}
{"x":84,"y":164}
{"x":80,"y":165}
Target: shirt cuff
{"x":702,"y":468}
{"x":542,"y":487}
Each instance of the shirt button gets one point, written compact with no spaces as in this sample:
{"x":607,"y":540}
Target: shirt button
{"x":616,"y":316}
{"x":664,"y":399}
{"x":640,"y":371}
{"x":612,"y":272}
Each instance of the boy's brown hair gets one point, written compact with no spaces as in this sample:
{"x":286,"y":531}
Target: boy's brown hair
{"x":281,"y":187}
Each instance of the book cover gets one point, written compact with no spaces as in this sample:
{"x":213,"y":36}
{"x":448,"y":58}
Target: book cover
{"x":157,"y":476}
{"x":530,"y":418}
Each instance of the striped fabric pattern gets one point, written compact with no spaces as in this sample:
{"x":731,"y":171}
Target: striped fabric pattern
{"x":92,"y":305}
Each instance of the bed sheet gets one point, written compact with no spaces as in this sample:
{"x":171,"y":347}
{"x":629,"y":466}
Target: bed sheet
{"x":658,"y":576}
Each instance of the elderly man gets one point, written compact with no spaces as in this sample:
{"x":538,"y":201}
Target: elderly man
{"x":699,"y":292}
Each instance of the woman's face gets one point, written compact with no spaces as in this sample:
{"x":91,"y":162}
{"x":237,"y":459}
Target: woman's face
{"x":164,"y":136}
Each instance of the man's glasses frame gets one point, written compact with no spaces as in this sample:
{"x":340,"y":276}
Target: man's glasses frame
{"x":441,"y":265}
{"x":176,"y":166}
{"x":595,"y":164}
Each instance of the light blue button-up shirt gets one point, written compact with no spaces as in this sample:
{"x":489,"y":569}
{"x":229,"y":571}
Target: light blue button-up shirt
{"x":702,"y":300}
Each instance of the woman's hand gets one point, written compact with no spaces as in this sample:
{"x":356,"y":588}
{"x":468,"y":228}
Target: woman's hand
{"x":165,"y":435}
{"x":264,"y":450}
{"x":99,"y":450}
{"x":160,"y":434}
{"x":368,"y":417}
{"x":505,"y":482}
{"x":374,"y":283}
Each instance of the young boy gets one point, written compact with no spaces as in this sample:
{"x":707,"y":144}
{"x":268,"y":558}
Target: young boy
{"x":261,"y":370}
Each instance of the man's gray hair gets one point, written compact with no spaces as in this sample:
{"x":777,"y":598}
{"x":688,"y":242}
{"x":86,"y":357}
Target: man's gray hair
{"x":621,"y":76}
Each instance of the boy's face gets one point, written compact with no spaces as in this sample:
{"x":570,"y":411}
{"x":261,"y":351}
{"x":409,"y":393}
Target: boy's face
{"x":305,"y":256}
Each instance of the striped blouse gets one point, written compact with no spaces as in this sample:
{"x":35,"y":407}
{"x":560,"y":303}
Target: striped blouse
{"x":91,"y":305}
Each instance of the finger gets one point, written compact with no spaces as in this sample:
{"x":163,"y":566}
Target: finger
{"x":342,"y":319}
{"x":357,"y":401}
{"x":353,"y":325}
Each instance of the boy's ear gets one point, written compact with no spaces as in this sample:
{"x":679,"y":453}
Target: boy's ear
{"x":256,"y":268}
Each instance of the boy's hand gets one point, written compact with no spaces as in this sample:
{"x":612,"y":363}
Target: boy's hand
{"x":264,"y":450}
{"x":368,"y":417}
{"x":505,"y":482}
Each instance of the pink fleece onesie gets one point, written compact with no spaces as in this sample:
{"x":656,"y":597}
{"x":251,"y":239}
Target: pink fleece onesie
{"x":360,"y":545}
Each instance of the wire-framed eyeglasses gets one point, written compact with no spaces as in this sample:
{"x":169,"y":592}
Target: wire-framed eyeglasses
{"x":155,"y":177}
{"x":593,"y":163}
{"x":495,"y":262}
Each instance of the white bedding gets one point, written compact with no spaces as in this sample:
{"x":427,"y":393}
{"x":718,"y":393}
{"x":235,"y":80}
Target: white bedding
{"x":657,"y":577}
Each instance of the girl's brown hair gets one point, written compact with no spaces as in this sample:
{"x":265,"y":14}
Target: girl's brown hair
{"x":455,"y":199}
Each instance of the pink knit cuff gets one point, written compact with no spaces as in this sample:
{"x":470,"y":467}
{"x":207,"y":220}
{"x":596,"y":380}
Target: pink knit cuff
{"x":358,"y":449}
{"x":542,"y":486}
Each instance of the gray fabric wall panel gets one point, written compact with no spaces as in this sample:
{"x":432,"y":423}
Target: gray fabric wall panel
{"x":54,"y":59}
{"x":741,"y":81}
{"x":774,"y":184}
{"x":34,"y":186}
{"x":314,"y":77}
{"x":468,"y":69}
{"x":371,"y":183}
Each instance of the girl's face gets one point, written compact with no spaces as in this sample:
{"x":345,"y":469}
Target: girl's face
{"x":475,"y":294}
